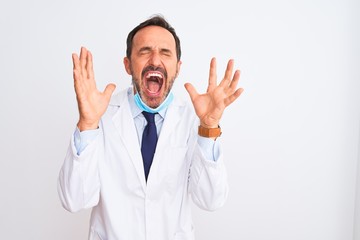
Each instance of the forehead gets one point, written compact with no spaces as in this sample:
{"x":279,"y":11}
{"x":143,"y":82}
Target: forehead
{"x":154,"y":37}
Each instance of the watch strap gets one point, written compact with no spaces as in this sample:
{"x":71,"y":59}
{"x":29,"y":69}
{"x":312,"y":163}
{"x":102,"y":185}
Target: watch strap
{"x":209,"y":132}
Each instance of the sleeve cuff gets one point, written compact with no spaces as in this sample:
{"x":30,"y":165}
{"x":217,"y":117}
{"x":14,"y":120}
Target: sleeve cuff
{"x":209,"y":148}
{"x":82,"y":139}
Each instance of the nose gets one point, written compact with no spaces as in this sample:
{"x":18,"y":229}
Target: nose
{"x":155,"y":59}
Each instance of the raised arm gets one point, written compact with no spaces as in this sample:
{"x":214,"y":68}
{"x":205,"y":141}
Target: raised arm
{"x":208,"y":181}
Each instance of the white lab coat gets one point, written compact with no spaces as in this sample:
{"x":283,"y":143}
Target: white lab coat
{"x":109,"y":177}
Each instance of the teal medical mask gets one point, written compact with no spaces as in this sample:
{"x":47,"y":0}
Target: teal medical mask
{"x":139,"y":102}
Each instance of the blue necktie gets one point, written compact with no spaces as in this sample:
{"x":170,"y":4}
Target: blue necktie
{"x":148,"y":143}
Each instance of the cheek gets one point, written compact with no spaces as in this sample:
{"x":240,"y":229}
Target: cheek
{"x":136,"y":72}
{"x":173,"y":73}
{"x":137,"y":66}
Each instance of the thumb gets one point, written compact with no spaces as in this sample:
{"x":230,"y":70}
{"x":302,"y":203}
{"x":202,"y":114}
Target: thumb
{"x":191,"y":90}
{"x":109,"y":90}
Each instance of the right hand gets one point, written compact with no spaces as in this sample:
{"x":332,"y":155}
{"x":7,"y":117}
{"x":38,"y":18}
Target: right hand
{"x":92,"y":103}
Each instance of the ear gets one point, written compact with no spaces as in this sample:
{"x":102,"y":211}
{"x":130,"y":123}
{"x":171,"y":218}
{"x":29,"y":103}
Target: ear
{"x":178,"y":68}
{"x":127,"y":65}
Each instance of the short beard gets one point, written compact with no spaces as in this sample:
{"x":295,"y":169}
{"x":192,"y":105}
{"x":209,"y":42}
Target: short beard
{"x":136,"y":83}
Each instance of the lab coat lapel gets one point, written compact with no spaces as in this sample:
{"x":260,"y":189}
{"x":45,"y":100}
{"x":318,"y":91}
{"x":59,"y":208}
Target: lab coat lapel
{"x":124,"y":123}
{"x":173,"y":116}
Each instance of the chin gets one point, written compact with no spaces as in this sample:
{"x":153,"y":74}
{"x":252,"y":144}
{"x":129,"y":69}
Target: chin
{"x":155,"y":101}
{"x":152,"y":102}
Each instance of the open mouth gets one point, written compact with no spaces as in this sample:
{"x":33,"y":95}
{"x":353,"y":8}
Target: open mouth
{"x":153,"y":82}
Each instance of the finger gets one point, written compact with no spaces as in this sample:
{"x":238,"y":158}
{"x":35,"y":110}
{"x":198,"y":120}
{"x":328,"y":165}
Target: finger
{"x":235,"y":80}
{"x":233,"y":97}
{"x":89,"y":69}
{"x":89,"y":66}
{"x":76,"y":65}
{"x":109,"y":90}
{"x":76,"y":62}
{"x":228,"y":73}
{"x":76,"y":71}
{"x":212,"y":75}
{"x":83,"y":59}
{"x":191,"y":90}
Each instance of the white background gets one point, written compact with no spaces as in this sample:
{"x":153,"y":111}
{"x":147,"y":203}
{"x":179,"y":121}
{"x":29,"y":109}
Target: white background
{"x":291,"y":141}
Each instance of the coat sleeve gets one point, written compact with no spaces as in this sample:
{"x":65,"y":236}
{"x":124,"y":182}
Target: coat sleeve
{"x":78,"y":181}
{"x":208,"y":184}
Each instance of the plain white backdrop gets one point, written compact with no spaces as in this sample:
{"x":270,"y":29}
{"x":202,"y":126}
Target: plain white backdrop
{"x":291,"y":141}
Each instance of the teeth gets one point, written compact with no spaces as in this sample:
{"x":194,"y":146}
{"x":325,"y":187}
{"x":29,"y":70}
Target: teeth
{"x":152,"y":74}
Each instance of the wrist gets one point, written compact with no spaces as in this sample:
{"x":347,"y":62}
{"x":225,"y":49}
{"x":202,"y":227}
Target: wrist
{"x":206,"y":125}
{"x":83,"y":126}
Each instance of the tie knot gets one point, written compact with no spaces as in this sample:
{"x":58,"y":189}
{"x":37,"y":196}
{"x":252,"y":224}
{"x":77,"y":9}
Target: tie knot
{"x":149,"y":116}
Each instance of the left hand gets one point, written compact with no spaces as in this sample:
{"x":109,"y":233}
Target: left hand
{"x":210,"y":106}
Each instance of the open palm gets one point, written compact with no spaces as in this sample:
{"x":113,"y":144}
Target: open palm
{"x":210,"y":106}
{"x":91,"y":102}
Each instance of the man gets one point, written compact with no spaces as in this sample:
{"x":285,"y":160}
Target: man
{"x":137,"y":192}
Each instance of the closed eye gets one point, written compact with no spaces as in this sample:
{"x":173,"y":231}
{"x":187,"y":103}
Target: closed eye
{"x":148,"y":50}
{"x":166,"y":52}
{"x":145,"y":50}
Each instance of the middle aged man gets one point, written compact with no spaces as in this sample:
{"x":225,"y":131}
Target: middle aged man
{"x":138,"y":157}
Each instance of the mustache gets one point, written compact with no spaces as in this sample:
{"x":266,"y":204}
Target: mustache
{"x":153,"y":68}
